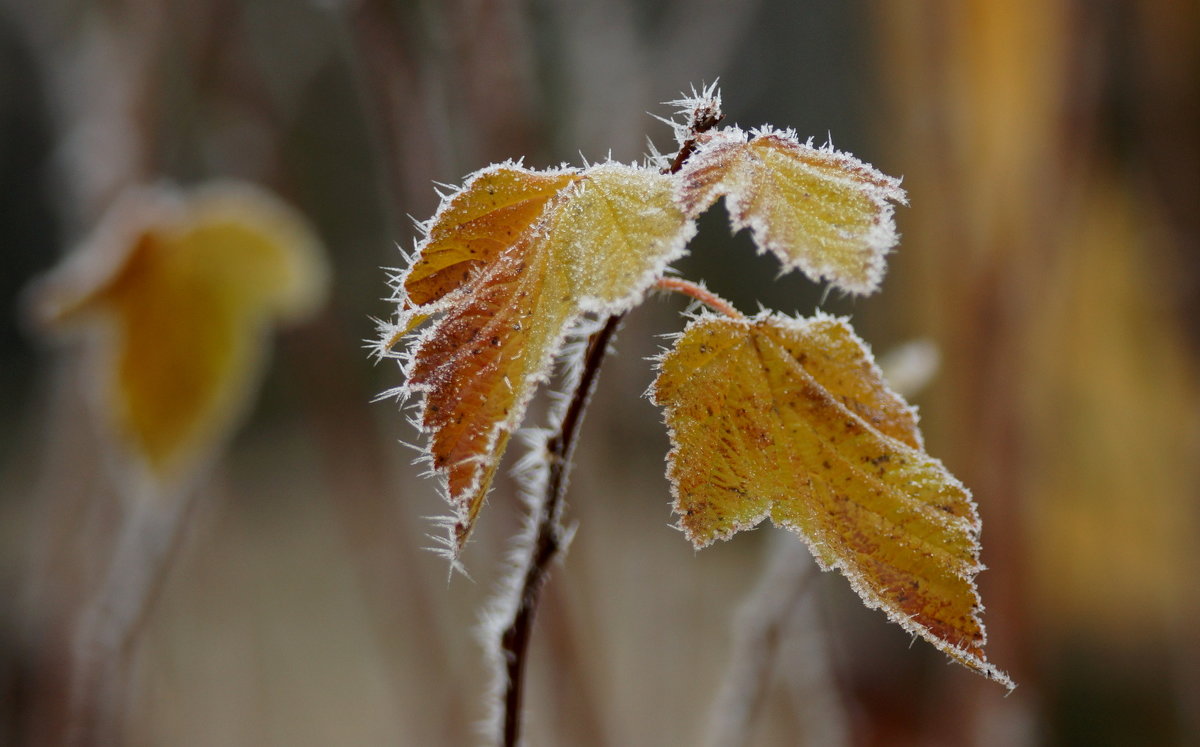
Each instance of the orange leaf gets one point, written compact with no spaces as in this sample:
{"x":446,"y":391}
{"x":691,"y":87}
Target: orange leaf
{"x":518,"y":256}
{"x":820,"y":211}
{"x":791,"y":419}
{"x":476,"y":224}
{"x":177,"y":292}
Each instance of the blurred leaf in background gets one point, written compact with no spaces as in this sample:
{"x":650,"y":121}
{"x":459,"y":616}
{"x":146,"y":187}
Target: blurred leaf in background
{"x":176,"y":293}
{"x":1060,"y":286}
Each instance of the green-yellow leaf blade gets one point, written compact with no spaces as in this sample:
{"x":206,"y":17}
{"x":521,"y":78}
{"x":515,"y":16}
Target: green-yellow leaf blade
{"x":820,"y":211}
{"x":791,"y":420}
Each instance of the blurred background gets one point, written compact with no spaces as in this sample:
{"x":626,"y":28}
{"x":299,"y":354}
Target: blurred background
{"x":1051,"y":151}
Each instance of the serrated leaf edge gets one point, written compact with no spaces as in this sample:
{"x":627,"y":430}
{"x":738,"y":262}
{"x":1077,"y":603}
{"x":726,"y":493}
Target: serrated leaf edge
{"x":869,"y":598}
{"x":402,"y":342}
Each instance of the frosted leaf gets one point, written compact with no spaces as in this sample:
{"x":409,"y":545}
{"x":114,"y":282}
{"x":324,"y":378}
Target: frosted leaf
{"x":791,"y":420}
{"x":819,"y":210}
{"x":473,"y":225}
{"x":511,"y":261}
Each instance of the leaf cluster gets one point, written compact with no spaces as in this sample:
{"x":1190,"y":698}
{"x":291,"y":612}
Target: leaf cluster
{"x":769,"y":416}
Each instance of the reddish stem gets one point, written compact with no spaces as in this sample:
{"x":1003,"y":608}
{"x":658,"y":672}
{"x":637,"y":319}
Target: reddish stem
{"x":701,"y":294}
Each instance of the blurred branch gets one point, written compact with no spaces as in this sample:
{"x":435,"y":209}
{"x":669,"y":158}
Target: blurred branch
{"x":149,"y":537}
{"x":774,"y":621}
{"x":102,"y":68}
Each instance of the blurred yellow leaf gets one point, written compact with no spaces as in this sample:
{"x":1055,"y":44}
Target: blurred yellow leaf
{"x":791,"y":419}
{"x":176,"y":292}
{"x":513,"y":259}
{"x":820,"y":211}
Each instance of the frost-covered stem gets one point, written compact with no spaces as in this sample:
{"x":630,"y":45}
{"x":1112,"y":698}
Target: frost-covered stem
{"x":110,"y":624}
{"x":701,"y":294}
{"x":549,"y":534}
{"x":703,"y":112}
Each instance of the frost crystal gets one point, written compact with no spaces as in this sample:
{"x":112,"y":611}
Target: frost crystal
{"x":700,"y":111}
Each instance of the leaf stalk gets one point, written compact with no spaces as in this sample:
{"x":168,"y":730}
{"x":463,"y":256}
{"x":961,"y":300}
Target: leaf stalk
{"x":701,"y":294}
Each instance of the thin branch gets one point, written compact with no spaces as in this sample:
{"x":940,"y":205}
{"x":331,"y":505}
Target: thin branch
{"x":775,"y":634}
{"x":701,"y":294}
{"x":550,"y":536}
{"x":692,"y":142}
{"x":149,"y":538}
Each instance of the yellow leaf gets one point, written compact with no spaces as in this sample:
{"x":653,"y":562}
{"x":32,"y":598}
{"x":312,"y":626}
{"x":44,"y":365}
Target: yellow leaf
{"x":820,"y":211}
{"x":792,"y":420}
{"x":476,"y":224}
{"x":176,"y":292}
{"x":521,"y":255}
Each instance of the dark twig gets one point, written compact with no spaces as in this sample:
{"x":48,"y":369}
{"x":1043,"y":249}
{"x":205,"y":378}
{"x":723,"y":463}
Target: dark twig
{"x":550,"y":534}
{"x":703,"y":119}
